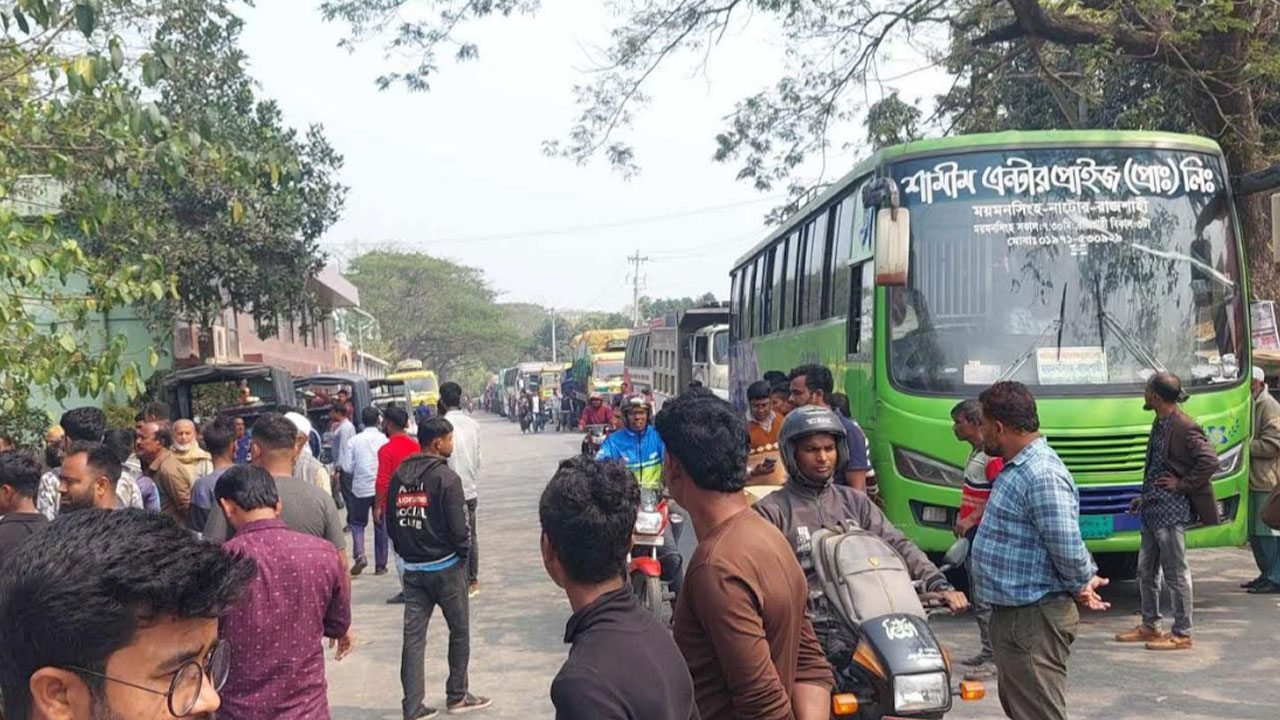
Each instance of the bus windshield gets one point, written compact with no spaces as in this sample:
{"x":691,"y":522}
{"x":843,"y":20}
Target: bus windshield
{"x":608,"y":369}
{"x":422,"y":385}
{"x":1069,"y":269}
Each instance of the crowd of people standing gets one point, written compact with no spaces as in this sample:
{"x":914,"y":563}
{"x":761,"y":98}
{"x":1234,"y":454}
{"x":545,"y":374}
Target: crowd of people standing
{"x":192,"y":547}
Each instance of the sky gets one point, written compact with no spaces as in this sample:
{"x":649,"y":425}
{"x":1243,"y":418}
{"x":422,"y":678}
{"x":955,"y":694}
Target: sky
{"x":458,"y":172}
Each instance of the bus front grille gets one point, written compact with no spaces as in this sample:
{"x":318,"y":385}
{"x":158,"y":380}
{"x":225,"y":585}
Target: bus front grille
{"x":1102,"y":454}
{"x":1107,"y":499}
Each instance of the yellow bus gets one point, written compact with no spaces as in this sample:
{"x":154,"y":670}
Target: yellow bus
{"x":598,"y":360}
{"x":422,"y":384}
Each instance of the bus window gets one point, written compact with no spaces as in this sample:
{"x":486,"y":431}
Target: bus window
{"x":818,"y":238}
{"x":853,"y":324}
{"x":780,"y":286}
{"x":720,"y":348}
{"x":758,"y":269}
{"x":841,"y":252}
{"x":795,"y":277}
{"x":766,"y":281}
{"x":735,"y":304}
{"x":749,"y":303}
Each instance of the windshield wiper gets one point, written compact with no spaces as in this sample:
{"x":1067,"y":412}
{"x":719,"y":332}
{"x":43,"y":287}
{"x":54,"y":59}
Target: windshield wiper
{"x":1107,"y":321}
{"x":1056,"y":323}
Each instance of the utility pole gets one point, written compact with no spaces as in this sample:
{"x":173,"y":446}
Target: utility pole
{"x":553,"y":334}
{"x":636,"y":261}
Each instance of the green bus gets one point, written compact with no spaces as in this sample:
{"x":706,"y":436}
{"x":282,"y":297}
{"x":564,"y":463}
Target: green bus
{"x":1076,"y":262}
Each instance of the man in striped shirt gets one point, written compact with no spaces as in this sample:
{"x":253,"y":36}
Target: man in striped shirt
{"x":979,"y":472}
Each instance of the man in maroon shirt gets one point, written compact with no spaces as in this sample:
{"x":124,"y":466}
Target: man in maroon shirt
{"x":399,"y":446}
{"x":299,"y":595}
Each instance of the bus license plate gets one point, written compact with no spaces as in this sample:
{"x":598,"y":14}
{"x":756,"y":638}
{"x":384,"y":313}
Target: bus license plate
{"x":1094,"y":527}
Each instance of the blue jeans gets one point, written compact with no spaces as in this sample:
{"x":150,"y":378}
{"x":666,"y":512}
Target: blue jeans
{"x":1165,"y":549}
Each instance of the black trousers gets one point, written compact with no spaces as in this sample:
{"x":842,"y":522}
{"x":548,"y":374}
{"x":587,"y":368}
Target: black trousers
{"x":423,"y":591}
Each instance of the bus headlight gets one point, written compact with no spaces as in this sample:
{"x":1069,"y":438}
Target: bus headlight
{"x":920,"y":693}
{"x":915,"y":466}
{"x":1229,"y":461}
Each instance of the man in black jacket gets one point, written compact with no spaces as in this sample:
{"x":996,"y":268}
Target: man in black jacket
{"x":428,"y":526}
{"x":624,"y":663}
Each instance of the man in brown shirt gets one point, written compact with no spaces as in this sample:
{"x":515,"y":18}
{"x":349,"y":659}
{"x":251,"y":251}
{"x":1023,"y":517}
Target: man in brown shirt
{"x":164,"y":470}
{"x":740,"y":621}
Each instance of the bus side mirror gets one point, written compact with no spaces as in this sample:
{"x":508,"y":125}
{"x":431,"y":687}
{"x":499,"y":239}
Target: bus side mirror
{"x":893,"y":246}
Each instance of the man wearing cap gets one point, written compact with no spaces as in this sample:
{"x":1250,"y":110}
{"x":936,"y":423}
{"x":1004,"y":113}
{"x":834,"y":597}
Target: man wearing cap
{"x":1264,"y":470}
{"x":305,"y":466}
{"x":1177,"y":488}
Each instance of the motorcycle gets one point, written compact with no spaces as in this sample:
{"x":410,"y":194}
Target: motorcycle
{"x":898,"y":669}
{"x":594,"y":439}
{"x":643,"y":567}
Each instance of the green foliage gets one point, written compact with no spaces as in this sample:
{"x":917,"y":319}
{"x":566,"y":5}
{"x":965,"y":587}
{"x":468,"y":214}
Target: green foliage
{"x":892,"y":122}
{"x":654,"y":307}
{"x":433,"y":310}
{"x":132,"y":181}
{"x":1212,"y":68}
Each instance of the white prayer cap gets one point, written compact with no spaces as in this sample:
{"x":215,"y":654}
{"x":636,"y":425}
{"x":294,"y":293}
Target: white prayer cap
{"x":1258,"y":374}
{"x":301,"y":422}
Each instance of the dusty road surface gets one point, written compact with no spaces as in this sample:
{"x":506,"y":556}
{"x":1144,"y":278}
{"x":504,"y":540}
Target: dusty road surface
{"x":518,"y":625}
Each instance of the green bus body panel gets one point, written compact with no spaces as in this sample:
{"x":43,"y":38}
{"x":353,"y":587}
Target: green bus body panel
{"x":922,"y":424}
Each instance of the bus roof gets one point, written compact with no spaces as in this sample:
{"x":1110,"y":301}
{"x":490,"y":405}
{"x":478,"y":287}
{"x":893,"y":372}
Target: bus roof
{"x":980,"y":141}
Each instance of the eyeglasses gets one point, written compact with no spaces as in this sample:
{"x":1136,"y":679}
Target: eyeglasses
{"x":188,"y":681}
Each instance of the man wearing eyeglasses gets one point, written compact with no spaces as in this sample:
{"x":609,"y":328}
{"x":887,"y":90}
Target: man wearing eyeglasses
{"x":130,"y":634}
{"x":300,"y":595}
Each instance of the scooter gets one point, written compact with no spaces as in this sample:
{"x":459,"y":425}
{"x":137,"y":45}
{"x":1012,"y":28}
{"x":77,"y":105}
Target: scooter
{"x":643,"y":567}
{"x":898,"y":668}
{"x":594,"y":439}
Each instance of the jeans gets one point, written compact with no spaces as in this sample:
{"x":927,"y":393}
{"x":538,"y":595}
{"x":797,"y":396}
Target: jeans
{"x":423,"y":591}
{"x":1032,"y":644}
{"x":981,"y":610}
{"x":473,"y":557}
{"x":1165,"y":549}
{"x":672,"y":561}
{"x":348,"y":497}
{"x":358,"y":513}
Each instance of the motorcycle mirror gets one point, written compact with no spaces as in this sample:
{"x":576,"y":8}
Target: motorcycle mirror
{"x":957,"y":553}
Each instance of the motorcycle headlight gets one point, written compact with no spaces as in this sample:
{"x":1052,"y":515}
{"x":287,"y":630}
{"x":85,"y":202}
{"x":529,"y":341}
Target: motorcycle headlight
{"x":648,"y":523}
{"x":1229,"y":462}
{"x":925,"y":469}
{"x":921,"y":693}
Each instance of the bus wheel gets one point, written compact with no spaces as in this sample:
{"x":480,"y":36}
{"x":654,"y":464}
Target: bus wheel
{"x":1117,"y":566}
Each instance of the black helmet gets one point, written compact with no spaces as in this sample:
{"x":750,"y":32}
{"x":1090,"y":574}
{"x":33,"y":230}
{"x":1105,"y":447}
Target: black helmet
{"x":805,"y":421}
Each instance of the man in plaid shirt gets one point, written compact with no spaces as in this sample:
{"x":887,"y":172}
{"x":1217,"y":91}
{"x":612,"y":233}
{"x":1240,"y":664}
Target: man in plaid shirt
{"x":1029,"y":560}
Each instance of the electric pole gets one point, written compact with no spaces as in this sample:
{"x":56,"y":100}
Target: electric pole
{"x":553,"y":334}
{"x":636,"y":261}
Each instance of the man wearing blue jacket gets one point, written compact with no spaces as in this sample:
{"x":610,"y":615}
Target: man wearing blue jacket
{"x":638,"y":446}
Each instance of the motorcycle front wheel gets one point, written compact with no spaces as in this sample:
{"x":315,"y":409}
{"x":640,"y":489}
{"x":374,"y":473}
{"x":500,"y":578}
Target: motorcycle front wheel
{"x":648,"y":590}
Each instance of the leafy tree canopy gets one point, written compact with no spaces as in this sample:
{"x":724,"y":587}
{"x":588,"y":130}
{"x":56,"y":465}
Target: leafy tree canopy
{"x":1207,"y":67}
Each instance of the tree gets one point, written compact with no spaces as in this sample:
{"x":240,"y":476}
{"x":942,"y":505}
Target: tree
{"x":892,"y":122}
{"x":651,"y":308}
{"x":433,"y":310}
{"x":69,"y":119}
{"x":246,"y":240}
{"x":1213,"y":66}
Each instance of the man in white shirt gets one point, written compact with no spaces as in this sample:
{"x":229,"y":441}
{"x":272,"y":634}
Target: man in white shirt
{"x":343,"y":432}
{"x":359,"y":461}
{"x":465,"y":461}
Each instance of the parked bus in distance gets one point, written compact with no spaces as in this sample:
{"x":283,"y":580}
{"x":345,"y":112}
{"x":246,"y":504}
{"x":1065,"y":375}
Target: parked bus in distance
{"x":422,"y":383}
{"x":1075,"y":262}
